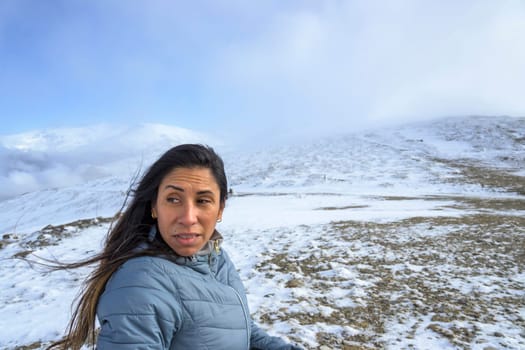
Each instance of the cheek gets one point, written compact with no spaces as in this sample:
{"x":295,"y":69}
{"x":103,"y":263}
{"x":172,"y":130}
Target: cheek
{"x":163,"y":221}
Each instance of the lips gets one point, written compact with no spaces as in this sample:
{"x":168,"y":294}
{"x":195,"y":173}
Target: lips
{"x":186,"y":238}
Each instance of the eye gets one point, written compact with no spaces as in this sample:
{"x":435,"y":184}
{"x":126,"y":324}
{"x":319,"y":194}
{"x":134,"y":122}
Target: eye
{"x":172,"y":200}
{"x":204,"y":201}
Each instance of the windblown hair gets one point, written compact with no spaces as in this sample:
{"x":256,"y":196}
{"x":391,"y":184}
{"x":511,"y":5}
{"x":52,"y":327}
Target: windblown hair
{"x":131,"y":232}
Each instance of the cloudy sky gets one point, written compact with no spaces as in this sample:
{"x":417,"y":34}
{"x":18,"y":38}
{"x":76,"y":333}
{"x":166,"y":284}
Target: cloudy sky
{"x":263,"y":67}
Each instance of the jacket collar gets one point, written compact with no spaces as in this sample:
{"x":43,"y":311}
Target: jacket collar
{"x":211,"y":249}
{"x":206,"y":255}
{"x":213,"y":244}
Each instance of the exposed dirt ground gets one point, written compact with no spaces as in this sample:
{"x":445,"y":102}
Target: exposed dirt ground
{"x":451,"y":275}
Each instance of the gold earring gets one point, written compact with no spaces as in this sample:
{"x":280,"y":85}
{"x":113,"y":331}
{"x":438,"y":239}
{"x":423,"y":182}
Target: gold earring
{"x":153,"y":215}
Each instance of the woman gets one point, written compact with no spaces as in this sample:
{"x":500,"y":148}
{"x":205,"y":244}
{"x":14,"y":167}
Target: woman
{"x":163,"y":281}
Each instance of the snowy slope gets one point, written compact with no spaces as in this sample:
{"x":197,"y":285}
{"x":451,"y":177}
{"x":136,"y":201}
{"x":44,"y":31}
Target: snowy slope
{"x":387,"y":160}
{"x":360,"y":240}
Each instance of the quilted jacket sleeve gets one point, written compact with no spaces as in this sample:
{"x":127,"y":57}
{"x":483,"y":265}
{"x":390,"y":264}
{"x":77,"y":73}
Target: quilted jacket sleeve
{"x":261,"y":340}
{"x":138,"y":309}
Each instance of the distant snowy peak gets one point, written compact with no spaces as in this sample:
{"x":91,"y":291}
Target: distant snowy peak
{"x":62,"y":157}
{"x":133,"y":138}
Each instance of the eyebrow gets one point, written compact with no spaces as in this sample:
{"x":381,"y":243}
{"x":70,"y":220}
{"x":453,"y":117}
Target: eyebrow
{"x":182,"y":189}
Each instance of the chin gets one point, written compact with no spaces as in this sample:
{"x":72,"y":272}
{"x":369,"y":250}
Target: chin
{"x":186,"y":251}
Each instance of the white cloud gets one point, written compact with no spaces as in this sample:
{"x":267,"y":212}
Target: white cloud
{"x":265,"y":68}
{"x":352,"y":63}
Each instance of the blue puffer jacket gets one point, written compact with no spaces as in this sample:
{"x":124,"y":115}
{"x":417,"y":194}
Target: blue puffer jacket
{"x":190,"y":303}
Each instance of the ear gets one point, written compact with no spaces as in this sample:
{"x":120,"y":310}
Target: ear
{"x":153,"y":211}
{"x":221,"y":209}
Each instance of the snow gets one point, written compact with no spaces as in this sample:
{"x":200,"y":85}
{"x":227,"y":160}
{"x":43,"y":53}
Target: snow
{"x":318,"y":231}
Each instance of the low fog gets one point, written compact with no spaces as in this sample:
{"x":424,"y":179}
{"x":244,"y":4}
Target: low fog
{"x":69,"y":156}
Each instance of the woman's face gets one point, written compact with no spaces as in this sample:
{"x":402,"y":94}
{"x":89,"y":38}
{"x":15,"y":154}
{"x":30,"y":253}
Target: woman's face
{"x":187,"y":208}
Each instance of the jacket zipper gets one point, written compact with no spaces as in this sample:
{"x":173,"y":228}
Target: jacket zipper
{"x":244,"y":311}
{"x":244,"y":308}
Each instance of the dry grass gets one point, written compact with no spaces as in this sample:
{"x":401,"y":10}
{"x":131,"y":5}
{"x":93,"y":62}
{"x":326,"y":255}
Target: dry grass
{"x":35,"y":345}
{"x":446,"y":252}
{"x":50,"y":235}
{"x":471,"y":172}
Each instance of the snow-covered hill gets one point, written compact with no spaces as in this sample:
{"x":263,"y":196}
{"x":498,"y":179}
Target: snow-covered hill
{"x":402,"y":237}
{"x":418,"y":158}
{"x":61,"y":157}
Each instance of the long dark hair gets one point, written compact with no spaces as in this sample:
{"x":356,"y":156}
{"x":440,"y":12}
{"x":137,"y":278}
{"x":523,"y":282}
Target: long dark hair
{"x":130,"y":232}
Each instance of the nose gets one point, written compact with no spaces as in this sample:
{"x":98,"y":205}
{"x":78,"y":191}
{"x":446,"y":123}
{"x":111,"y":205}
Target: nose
{"x":188,"y":216}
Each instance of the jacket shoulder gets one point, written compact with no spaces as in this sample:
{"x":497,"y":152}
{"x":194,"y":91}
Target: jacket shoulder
{"x":141,"y":285}
{"x":138,"y":306}
{"x":142,"y":271}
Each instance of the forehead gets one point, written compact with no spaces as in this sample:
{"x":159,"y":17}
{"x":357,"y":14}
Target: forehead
{"x":196,"y":177}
